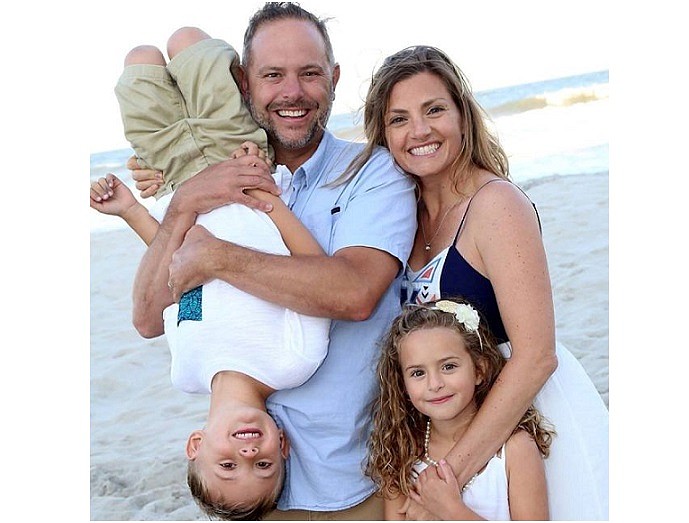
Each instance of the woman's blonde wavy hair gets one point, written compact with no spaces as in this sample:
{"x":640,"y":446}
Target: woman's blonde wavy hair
{"x":398,"y":428}
{"x":480,"y":149}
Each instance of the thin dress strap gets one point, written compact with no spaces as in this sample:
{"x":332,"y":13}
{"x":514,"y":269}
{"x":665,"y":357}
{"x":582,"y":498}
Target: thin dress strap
{"x":466,"y":211}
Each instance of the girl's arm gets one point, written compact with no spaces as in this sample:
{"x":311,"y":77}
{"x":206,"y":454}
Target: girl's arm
{"x":296,"y":236}
{"x":142,"y":223}
{"x":526,"y":483}
{"x":110,"y":196}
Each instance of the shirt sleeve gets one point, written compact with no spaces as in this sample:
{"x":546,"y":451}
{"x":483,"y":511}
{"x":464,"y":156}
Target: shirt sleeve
{"x":380,"y":210}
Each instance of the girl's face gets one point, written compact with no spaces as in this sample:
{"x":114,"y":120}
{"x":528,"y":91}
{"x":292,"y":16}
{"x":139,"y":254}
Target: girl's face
{"x":423,"y":126}
{"x":439,"y":374}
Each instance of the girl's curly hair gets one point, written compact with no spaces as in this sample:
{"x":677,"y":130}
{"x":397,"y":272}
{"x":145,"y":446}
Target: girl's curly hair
{"x":398,"y":428}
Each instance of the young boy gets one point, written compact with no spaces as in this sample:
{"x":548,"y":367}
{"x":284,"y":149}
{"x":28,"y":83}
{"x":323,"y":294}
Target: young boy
{"x":181,"y":117}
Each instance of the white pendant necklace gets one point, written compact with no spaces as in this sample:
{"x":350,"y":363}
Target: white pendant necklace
{"x":426,"y":441}
{"x":427,"y":243}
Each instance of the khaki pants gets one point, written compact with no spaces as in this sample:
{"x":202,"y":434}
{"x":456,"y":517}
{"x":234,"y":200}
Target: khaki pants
{"x":370,"y":510}
{"x":184,"y":117}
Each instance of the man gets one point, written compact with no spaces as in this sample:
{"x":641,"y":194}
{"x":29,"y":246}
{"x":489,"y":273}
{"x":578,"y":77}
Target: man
{"x":366,"y":224}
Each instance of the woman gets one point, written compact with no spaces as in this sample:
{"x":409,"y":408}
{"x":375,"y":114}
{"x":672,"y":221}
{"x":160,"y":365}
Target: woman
{"x":479,"y":237}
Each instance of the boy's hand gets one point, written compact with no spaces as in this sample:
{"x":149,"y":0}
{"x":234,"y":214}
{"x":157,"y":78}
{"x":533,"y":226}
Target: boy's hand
{"x":147,"y":181}
{"x":251,"y":149}
{"x":110,"y":196}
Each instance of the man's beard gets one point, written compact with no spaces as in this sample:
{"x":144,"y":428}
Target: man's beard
{"x":275,"y":138}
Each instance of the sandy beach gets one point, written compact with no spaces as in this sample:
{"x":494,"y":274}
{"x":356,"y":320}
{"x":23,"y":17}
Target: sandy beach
{"x":139,"y":423}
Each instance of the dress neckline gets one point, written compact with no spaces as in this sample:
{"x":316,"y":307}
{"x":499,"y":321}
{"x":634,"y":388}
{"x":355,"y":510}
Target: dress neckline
{"x":441,"y":254}
{"x":456,"y":237}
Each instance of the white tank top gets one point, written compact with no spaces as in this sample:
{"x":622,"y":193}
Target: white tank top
{"x":487,"y":493}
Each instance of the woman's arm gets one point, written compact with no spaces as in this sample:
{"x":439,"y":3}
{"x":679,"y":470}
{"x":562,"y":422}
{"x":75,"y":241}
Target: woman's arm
{"x":526,"y":483}
{"x":296,"y":236}
{"x":503,"y":242}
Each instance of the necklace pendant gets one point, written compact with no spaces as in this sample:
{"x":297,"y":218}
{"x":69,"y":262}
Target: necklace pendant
{"x":428,"y":247}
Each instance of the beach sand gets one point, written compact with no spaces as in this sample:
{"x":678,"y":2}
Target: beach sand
{"x":139,"y":423}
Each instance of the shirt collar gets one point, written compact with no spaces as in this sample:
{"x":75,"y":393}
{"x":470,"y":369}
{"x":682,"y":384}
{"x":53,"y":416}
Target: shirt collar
{"x":313,"y":168}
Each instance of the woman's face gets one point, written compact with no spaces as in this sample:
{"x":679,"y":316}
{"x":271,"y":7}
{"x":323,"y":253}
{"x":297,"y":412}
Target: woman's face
{"x":423,"y":126}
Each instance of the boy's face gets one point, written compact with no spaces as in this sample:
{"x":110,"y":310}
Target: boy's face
{"x":241,"y":458}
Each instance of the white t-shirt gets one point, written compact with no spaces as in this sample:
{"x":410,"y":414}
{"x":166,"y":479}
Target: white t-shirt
{"x":229,"y":329}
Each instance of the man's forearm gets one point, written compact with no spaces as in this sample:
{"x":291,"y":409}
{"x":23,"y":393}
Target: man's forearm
{"x":346,"y":286}
{"x":151,"y":294}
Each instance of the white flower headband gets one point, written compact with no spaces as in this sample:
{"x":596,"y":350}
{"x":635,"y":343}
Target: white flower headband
{"x":465,"y":314}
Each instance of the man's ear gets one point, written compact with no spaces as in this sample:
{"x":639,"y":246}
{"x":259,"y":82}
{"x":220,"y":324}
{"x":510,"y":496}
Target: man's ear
{"x":240,"y":76}
{"x":336,"y":76}
{"x":194,"y":443}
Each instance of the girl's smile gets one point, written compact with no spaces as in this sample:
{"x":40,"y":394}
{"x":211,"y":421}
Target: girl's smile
{"x":439,"y":374}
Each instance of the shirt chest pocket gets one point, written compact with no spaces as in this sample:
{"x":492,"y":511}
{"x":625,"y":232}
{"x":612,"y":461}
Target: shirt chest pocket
{"x":322,"y":225}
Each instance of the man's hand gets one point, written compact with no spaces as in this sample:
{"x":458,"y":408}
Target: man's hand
{"x":224,"y":183}
{"x":188,"y":268}
{"x":147,"y":181}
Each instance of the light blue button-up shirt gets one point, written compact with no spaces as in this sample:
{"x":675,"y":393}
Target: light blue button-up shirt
{"x":328,"y":418}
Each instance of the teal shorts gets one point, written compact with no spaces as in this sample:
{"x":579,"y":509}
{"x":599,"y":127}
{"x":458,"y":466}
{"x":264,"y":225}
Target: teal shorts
{"x":184,"y":117}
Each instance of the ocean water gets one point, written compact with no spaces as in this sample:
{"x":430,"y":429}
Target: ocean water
{"x":553,"y":127}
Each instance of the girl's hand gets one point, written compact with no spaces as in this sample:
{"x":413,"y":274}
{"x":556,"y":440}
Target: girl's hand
{"x":110,"y":196}
{"x":437,"y":490}
{"x":147,"y":181}
{"x":252,"y":149}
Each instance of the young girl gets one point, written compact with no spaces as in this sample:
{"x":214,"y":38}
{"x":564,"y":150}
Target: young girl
{"x":437,"y":365}
{"x":223,"y":341}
